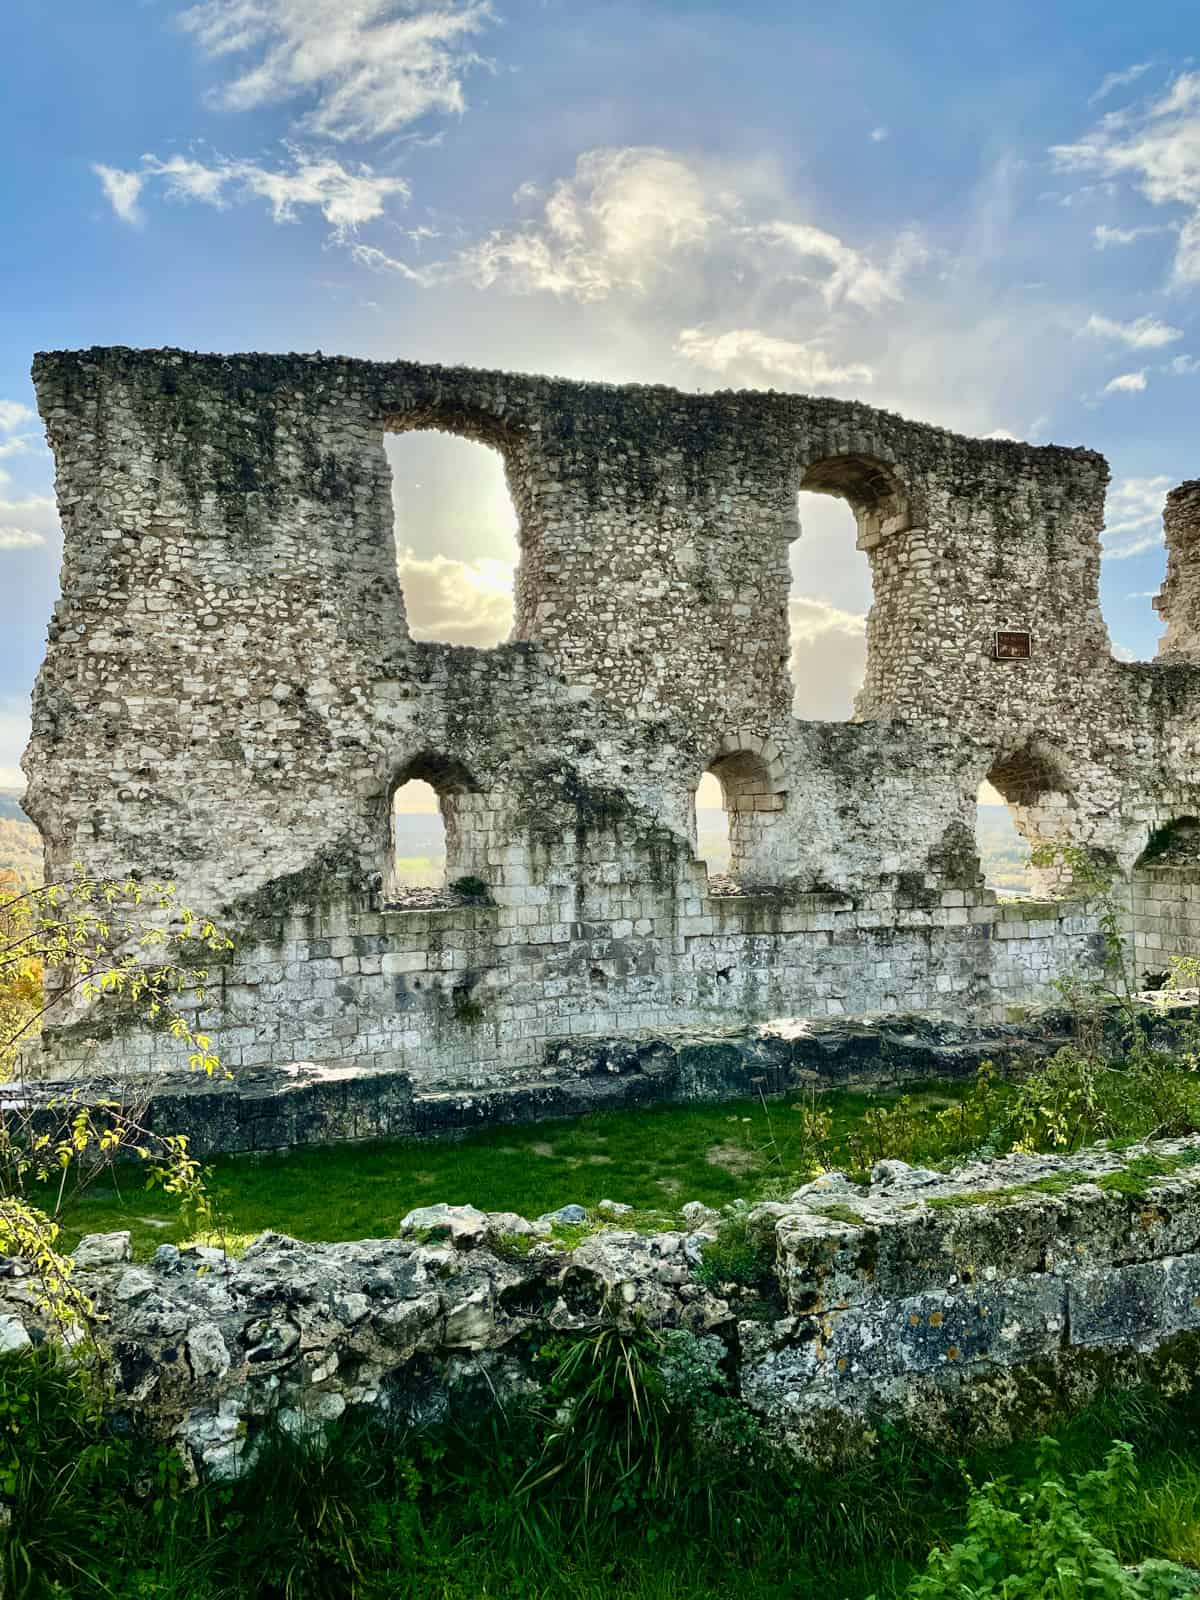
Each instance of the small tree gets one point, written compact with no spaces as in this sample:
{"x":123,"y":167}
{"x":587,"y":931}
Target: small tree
{"x":64,"y":947}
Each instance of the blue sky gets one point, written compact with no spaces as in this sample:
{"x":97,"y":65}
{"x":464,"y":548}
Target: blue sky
{"x":983,"y":216}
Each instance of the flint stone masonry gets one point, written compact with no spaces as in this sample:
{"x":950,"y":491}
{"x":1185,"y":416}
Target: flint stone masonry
{"x":967,"y":1301}
{"x":230,"y":698}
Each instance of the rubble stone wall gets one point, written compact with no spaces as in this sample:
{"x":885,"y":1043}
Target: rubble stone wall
{"x":960,"y":1303}
{"x":230,"y":698}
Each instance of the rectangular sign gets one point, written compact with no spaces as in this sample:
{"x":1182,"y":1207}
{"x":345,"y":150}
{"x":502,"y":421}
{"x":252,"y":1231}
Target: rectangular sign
{"x":1012,"y":644}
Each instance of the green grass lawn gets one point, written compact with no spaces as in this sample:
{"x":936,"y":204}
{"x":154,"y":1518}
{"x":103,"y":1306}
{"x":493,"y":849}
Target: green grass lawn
{"x":653,"y":1158}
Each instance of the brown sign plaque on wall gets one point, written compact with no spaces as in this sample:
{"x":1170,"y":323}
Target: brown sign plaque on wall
{"x":1011,"y":644}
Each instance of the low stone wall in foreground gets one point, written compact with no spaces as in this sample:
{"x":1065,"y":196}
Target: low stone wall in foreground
{"x":974,"y":1301}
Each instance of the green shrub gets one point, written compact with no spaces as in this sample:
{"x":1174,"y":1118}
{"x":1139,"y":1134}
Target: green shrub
{"x":1050,"y":1540}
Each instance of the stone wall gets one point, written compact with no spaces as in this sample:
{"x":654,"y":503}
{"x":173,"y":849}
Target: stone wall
{"x":231,"y":697}
{"x":971,"y":1301}
{"x":253,"y":1110}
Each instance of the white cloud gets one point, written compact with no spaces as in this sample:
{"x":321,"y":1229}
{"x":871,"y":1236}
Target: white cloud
{"x":1133,"y":516}
{"x":122,"y":190}
{"x":366,"y":67}
{"x":14,"y":415}
{"x":460,"y":602}
{"x":27,"y":523}
{"x":1126,"y":383}
{"x":1145,"y":333}
{"x":1183,"y":366}
{"x":753,"y":357}
{"x":629,"y":220}
{"x":828,"y":658}
{"x":1001,"y":433}
{"x":1122,"y":652}
{"x":1156,"y":148}
{"x":1119,"y":80}
{"x":1103,"y":237}
{"x":379,"y":261}
{"x":621,"y":219}
{"x":878,"y":135}
{"x":346,"y":196}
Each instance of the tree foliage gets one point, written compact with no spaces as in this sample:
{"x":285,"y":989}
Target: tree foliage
{"x":131,"y":952}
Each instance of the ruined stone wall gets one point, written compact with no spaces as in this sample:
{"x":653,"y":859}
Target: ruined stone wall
{"x":959,"y":1304}
{"x":230,"y":697}
{"x":1178,"y":601}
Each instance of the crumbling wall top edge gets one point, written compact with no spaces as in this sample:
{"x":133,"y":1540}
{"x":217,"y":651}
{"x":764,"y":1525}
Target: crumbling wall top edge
{"x":277,"y":369}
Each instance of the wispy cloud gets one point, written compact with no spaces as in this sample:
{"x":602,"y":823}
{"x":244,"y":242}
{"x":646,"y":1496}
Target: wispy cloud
{"x":1106,"y":238}
{"x":627,"y":219}
{"x":1126,"y":383}
{"x":878,"y":135}
{"x":758,"y":357}
{"x":27,"y":523}
{"x":1145,"y":333}
{"x":14,"y":415}
{"x":365,"y":67}
{"x":14,"y":736}
{"x":1133,"y":516}
{"x":347,"y":196}
{"x":122,"y":190}
{"x":1155,"y":147}
{"x":1119,"y":80}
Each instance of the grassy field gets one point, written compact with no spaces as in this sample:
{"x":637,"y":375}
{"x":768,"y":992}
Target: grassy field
{"x":654,"y":1158}
{"x":464,"y":1510}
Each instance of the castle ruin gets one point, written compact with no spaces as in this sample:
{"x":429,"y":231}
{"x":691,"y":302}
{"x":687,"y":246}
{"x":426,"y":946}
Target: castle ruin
{"x":231,"y":697}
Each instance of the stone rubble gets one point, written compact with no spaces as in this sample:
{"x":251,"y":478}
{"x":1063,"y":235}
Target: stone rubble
{"x":911,"y":1297}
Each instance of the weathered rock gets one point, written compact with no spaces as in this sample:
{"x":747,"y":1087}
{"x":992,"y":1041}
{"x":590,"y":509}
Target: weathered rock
{"x":462,"y":1225}
{"x":13,"y":1335}
{"x":921,"y":1302}
{"x":569,"y":1215}
{"x":102,"y":1250}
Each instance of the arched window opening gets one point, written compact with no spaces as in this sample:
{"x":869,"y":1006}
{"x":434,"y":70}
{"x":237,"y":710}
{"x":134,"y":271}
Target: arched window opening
{"x":712,"y":827}
{"x":750,"y":805}
{"x":456,"y":537}
{"x":434,"y":840}
{"x":418,"y":839}
{"x":1165,"y":899}
{"x":1003,"y":853}
{"x":1030,"y":784}
{"x":828,"y":600}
